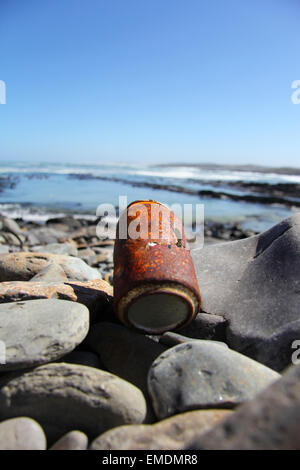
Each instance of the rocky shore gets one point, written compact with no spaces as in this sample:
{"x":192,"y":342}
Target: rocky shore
{"x":73,"y":378}
{"x":282,"y":194}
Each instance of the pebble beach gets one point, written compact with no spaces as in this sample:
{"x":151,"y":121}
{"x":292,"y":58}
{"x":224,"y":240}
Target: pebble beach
{"x":74,"y":377}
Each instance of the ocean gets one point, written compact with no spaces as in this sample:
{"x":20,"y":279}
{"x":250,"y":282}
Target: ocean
{"x":255,"y":197}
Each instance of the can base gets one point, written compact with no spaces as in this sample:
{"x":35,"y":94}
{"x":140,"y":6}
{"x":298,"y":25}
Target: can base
{"x":158,"y":312}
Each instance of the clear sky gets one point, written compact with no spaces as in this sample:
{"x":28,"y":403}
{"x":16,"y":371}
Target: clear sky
{"x":150,"y":80}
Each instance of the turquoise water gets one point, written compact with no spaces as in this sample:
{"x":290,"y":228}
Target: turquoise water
{"x":44,"y":189}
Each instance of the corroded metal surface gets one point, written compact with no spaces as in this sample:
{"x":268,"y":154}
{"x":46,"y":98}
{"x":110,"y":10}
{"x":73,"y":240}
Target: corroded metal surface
{"x":156,"y":261}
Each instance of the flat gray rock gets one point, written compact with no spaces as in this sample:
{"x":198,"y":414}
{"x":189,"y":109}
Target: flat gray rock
{"x":21,"y":434}
{"x":38,"y":331}
{"x":65,"y":397}
{"x":73,"y":440}
{"x":254,"y":283}
{"x":202,"y":375}
{"x":268,"y":422}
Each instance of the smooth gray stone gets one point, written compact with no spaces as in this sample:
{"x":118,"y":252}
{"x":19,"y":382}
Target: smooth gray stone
{"x":21,"y":434}
{"x":53,"y":272}
{"x":56,"y":248}
{"x":201,"y":375}
{"x":40,"y":331}
{"x":4,"y":249}
{"x":254,"y":283}
{"x":73,"y":440}
{"x":268,"y":422}
{"x":63,"y":397}
{"x":124,"y":352}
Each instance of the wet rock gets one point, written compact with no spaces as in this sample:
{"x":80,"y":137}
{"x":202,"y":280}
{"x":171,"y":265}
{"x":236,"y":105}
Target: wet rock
{"x":63,"y":397}
{"x":202,"y":375}
{"x":73,"y":440}
{"x":40,"y":331}
{"x":23,"y":266}
{"x":254,"y":284}
{"x":21,"y":434}
{"x":172,"y":433}
{"x":270,"y":421}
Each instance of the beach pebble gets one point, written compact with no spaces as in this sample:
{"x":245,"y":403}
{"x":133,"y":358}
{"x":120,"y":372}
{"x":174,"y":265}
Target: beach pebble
{"x":63,"y":397}
{"x":87,"y":255}
{"x":40,"y":331}
{"x":172,"y":433}
{"x":254,"y":283}
{"x":43,"y":236}
{"x":52,"y":272}
{"x":96,"y":295}
{"x":124,"y":352}
{"x":270,"y":421}
{"x":203,"y":374}
{"x":73,"y":440}
{"x":23,"y":266}
{"x":56,"y":248}
{"x":21,"y":434}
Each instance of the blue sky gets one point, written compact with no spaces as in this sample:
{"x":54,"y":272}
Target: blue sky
{"x":150,"y":80}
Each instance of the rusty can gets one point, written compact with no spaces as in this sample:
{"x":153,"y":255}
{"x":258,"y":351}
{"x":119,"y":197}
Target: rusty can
{"x":155,"y":285}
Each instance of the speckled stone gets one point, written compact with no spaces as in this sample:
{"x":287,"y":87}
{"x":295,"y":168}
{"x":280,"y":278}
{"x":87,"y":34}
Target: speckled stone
{"x":204,"y":374}
{"x":270,"y":421}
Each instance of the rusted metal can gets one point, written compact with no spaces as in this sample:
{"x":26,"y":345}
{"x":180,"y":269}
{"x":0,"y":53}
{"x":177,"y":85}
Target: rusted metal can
{"x":155,"y":285}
